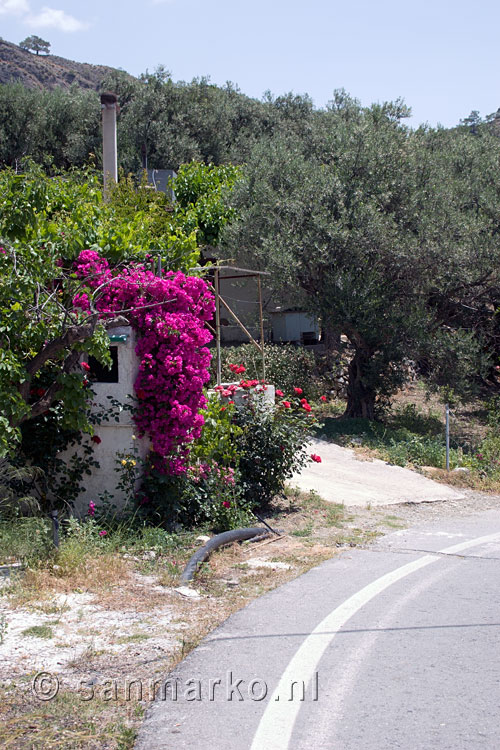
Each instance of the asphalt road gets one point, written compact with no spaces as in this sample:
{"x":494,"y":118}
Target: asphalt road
{"x":394,"y":646}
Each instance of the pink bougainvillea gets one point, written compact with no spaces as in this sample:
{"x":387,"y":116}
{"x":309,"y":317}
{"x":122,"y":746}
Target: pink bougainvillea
{"x":168,"y":313}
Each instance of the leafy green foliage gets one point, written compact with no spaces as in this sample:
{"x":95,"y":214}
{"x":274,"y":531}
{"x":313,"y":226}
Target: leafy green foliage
{"x":286,"y":366}
{"x":271,"y":447}
{"x":44,"y":224}
{"x":386,"y":234}
{"x":201,"y":192}
{"x":36,"y":44}
{"x":168,"y":123}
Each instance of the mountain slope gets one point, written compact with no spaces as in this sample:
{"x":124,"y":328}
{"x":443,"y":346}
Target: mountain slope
{"x":47,"y":71}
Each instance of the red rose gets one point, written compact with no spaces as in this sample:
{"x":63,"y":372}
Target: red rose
{"x":322,"y":398}
{"x":315,"y":458}
{"x":96,"y":439}
{"x":85,"y":366}
{"x":298,"y":391}
{"x":279,"y":393}
{"x":286,"y":404}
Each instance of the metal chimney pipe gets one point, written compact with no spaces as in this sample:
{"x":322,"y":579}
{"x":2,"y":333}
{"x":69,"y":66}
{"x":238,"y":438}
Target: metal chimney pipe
{"x":110,"y":107}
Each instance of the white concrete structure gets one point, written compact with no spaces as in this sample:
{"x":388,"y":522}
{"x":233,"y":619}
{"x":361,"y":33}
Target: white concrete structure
{"x":267,"y":393}
{"x":109,"y":106}
{"x":115,"y":437}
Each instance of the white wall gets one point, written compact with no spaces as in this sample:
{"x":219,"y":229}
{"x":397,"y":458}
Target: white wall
{"x":116,"y":437}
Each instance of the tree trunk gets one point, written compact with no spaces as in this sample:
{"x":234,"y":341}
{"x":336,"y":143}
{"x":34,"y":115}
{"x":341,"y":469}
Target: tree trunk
{"x":331,"y":341}
{"x":360,"y":396}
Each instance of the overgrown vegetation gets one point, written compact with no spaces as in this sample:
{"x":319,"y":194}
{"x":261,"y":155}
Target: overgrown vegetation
{"x":286,"y":367}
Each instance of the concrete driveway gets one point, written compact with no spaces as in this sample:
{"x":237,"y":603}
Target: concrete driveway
{"x":343,"y":478}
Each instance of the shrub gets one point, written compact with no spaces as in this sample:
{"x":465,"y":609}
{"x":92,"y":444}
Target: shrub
{"x":206,"y":495}
{"x":286,"y":366}
{"x":208,"y":492}
{"x":241,"y":461}
{"x":25,"y":539}
{"x":272,"y":445}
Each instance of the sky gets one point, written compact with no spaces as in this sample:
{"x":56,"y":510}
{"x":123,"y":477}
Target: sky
{"x":441,"y":57}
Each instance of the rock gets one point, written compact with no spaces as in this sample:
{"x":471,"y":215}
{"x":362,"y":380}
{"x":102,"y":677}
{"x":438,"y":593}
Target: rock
{"x":203,"y":538}
{"x":187,"y":592}
{"x":461,"y":470}
{"x":256,"y":563}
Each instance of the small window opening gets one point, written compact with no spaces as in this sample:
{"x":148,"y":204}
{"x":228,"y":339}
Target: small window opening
{"x":99,"y":373}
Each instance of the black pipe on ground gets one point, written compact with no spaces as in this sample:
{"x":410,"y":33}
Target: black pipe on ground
{"x":227,"y":537}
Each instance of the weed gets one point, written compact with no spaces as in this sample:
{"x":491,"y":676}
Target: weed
{"x":135,"y":637}
{"x":3,"y":627}
{"x":24,"y":539}
{"x":50,"y":608}
{"x":393,"y":522}
{"x":305,"y":531}
{"x":38,"y":631}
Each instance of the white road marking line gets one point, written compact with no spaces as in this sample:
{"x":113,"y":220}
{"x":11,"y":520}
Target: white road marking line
{"x":276,"y":725}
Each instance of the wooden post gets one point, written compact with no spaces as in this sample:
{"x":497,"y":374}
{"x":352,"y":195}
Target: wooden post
{"x":261,"y":328}
{"x":241,"y":324}
{"x":217,"y":324}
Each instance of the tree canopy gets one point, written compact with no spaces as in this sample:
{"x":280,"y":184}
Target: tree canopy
{"x":36,"y":44}
{"x":45,"y":223}
{"x":390,"y":236}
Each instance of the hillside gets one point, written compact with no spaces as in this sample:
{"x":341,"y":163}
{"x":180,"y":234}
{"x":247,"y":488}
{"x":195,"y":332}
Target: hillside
{"x":46,"y":71}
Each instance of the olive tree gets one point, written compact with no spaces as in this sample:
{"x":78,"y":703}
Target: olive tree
{"x":384,"y":233}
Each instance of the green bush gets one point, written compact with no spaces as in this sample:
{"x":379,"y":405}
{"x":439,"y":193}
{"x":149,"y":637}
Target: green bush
{"x":209,"y":493}
{"x":287,"y":366}
{"x":25,"y":539}
{"x":485,"y":459}
{"x":272,"y":446}
{"x":245,"y":454}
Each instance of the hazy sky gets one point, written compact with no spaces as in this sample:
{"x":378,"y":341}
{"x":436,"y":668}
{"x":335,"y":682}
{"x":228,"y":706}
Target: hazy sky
{"x":441,"y":56}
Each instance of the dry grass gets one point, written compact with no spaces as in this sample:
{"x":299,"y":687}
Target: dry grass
{"x":65,"y":723}
{"x":98,"y":574}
